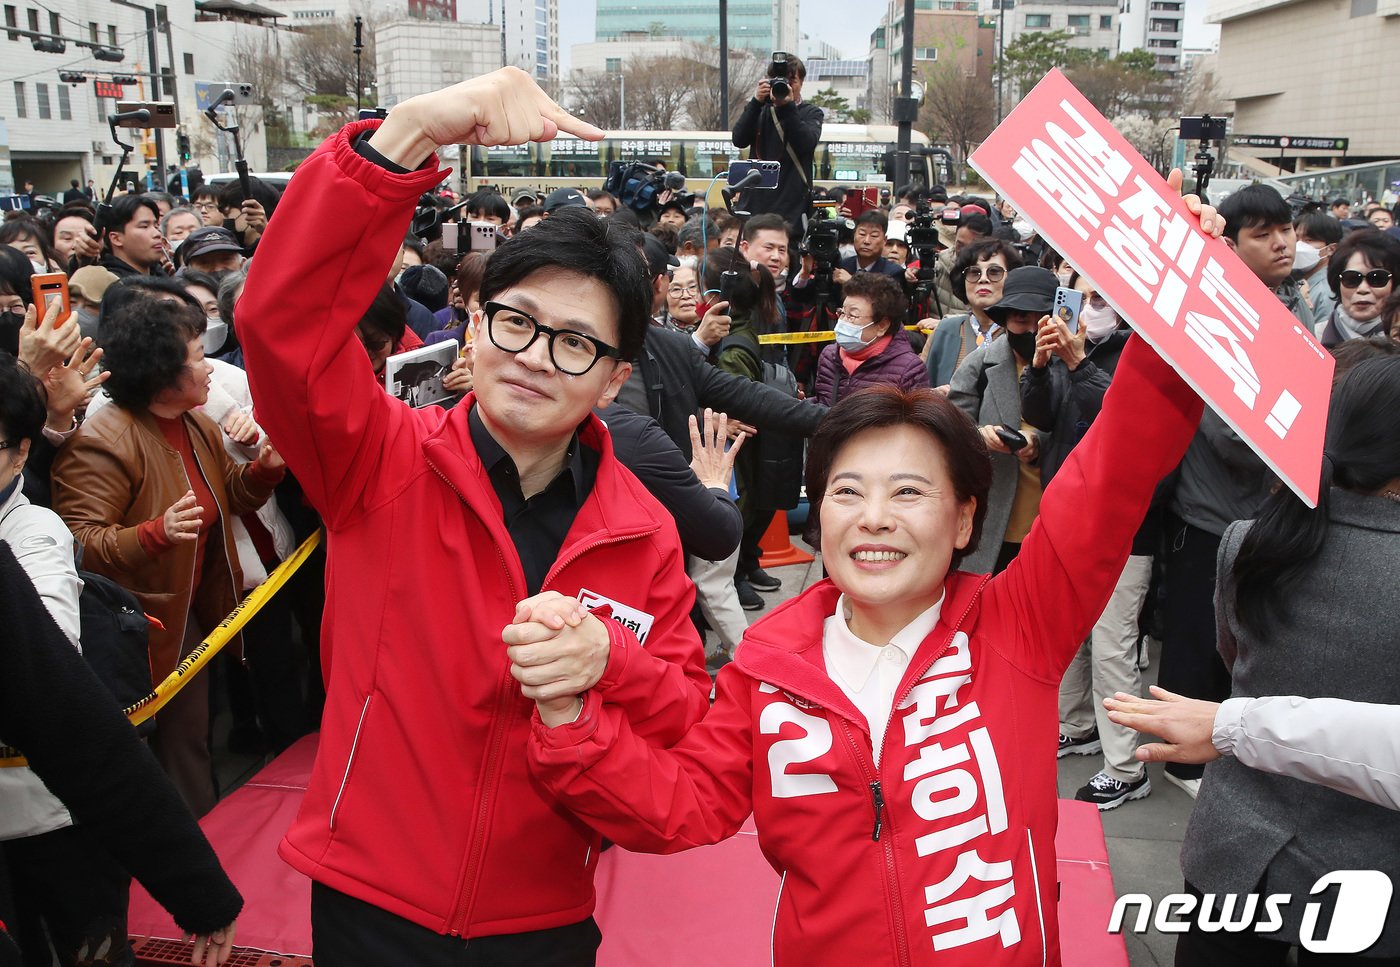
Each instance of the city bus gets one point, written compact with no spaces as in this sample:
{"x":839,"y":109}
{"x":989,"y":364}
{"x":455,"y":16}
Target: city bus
{"x":847,"y":154}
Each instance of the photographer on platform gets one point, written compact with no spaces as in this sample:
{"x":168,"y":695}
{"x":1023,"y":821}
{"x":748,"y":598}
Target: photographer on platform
{"x":779,"y":127}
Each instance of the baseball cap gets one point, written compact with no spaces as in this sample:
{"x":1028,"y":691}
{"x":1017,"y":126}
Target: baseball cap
{"x":657,"y":257}
{"x":898,"y":232}
{"x":210,"y":238}
{"x":564,"y":198}
{"x":524,"y":194}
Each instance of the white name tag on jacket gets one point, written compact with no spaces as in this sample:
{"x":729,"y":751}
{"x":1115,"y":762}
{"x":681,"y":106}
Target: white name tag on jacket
{"x":638,"y":622}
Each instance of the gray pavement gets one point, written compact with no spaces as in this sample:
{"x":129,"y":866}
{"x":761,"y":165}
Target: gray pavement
{"x":1144,"y":836}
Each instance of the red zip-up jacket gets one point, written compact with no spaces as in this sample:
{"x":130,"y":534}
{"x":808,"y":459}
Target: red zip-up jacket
{"x":944,"y":854}
{"x":420,"y":801}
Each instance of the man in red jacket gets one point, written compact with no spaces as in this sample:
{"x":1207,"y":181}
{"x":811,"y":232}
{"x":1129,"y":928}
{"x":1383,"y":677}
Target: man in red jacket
{"x":453,"y":536}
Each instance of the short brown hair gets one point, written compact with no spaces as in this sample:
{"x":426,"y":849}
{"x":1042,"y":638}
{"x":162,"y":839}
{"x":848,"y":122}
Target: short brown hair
{"x":969,"y":466}
{"x":469,"y":274}
{"x":886,"y":298}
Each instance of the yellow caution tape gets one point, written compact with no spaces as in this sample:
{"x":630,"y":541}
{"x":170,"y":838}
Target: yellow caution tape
{"x":203,"y":653}
{"x":790,"y":338}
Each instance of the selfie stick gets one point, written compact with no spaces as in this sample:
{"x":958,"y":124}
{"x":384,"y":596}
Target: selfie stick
{"x":104,"y":210}
{"x":240,"y":164}
{"x":728,"y":191}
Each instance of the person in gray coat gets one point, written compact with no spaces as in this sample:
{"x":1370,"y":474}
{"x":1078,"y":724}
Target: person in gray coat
{"x":987,"y":387}
{"x":1306,"y":606}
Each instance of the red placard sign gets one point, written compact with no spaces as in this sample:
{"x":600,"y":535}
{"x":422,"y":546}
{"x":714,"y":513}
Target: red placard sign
{"x":1113,"y":217}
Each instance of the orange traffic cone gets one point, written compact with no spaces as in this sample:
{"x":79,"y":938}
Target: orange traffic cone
{"x":777,"y":547}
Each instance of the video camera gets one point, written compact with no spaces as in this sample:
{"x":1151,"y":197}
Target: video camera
{"x":923,"y":244}
{"x":639,"y":186}
{"x":778,"y":68}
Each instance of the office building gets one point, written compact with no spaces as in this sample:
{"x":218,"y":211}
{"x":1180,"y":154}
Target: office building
{"x":762,"y":25}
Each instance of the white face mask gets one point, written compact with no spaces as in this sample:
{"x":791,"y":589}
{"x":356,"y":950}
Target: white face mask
{"x":1023,"y":228}
{"x":848,"y":251}
{"x":39,"y":267}
{"x":1305,"y":258}
{"x":1064,"y":274}
{"x":1098,"y":323}
{"x":215,"y":333}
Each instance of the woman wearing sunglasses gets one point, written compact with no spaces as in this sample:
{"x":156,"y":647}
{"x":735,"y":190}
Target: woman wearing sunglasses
{"x":1362,"y":273}
{"x":977,"y":279}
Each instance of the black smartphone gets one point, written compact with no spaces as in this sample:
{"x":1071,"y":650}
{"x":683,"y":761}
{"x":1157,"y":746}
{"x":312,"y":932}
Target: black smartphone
{"x":1012,"y":437}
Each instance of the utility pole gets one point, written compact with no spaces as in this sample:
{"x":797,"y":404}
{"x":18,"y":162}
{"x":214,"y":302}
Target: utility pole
{"x":1001,"y":48}
{"x":359,"y":48}
{"x":724,"y":61}
{"x":906,"y":108}
{"x":153,"y":49}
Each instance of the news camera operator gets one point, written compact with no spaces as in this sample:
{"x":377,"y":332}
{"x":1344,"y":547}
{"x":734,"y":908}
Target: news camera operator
{"x":779,"y":127}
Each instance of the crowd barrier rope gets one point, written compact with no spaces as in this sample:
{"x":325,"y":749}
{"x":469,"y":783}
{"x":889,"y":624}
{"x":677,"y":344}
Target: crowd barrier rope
{"x":792,"y":338}
{"x":203,"y":653}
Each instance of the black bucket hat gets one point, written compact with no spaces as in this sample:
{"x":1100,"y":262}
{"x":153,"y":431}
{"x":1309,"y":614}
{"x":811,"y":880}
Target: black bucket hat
{"x":1027,"y":289}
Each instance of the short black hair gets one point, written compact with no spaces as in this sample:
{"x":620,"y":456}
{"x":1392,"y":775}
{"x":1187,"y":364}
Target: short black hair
{"x":770,"y":222}
{"x":204,"y":191}
{"x":145,"y":342}
{"x":188,"y":276}
{"x":1319,"y":225}
{"x":1380,"y":249}
{"x":575,"y":240}
{"x":128,"y":207}
{"x":31,"y":229}
{"x":972,"y":254}
{"x":385,"y":320}
{"x":15,"y":275}
{"x":231,"y":195}
{"x":1251,"y":207}
{"x":873,"y":217}
{"x":489,"y":203}
{"x":23,"y":408}
{"x":978,"y":224}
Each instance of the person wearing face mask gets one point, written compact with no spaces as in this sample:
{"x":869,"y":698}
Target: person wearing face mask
{"x":1318,"y":234}
{"x":987,"y":388}
{"x":1362,"y":271}
{"x":1062,"y":392}
{"x":85,"y":290}
{"x":871,"y":347}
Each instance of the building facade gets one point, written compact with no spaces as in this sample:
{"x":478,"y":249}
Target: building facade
{"x":1155,"y":26}
{"x":762,"y":25}
{"x":418,"y":56}
{"x":1257,"y":37}
{"x":1092,"y":25}
{"x":530,"y":32}
{"x":948,"y":35}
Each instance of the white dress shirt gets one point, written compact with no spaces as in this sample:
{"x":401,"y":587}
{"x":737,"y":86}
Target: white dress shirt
{"x":869,"y":673}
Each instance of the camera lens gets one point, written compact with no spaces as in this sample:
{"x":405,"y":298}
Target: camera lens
{"x":781,"y":88}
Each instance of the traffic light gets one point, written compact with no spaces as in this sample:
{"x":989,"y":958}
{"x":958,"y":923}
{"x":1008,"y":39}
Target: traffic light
{"x":183,"y":140}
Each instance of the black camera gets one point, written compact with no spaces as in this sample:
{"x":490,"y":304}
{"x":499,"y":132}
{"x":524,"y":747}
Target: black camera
{"x":823,"y":241}
{"x":923,"y":234}
{"x":778,"y":76}
{"x":638,"y":186}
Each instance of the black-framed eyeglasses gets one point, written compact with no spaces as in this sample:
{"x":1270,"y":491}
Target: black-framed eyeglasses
{"x":514,"y":331}
{"x":1376,"y":278}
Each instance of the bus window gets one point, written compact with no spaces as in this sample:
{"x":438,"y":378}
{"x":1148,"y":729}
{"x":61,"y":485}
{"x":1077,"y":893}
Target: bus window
{"x":506,"y":160}
{"x":854,"y":162}
{"x":573,"y":158}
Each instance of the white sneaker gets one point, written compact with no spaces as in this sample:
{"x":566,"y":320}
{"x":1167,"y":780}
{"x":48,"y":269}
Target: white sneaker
{"x":1188,"y":786}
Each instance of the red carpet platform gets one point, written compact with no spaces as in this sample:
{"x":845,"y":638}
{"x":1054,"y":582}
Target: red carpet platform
{"x":719,"y":898}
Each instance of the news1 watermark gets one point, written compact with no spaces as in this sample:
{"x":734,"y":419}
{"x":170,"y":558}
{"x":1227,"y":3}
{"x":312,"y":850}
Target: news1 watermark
{"x":1359,"y":902}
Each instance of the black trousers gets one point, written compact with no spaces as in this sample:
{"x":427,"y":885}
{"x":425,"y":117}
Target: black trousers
{"x":1196,"y":948}
{"x":346,"y":932}
{"x":1191,"y":666}
{"x":68,"y":891}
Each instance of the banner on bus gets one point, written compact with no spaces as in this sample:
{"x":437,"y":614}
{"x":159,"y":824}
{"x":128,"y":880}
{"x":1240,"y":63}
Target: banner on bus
{"x":1095,"y":199}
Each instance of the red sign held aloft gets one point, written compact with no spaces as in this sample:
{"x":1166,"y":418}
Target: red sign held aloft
{"x":1103,"y":207}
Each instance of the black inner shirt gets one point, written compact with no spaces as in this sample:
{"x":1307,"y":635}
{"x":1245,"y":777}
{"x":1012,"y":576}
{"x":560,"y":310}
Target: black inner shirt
{"x":538,"y":525}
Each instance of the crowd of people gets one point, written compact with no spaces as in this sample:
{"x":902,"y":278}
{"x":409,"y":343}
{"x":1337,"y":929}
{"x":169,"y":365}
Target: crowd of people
{"x":1009,"y":509}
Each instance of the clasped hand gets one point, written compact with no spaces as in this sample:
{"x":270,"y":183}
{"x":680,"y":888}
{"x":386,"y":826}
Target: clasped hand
{"x":558,"y":650}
